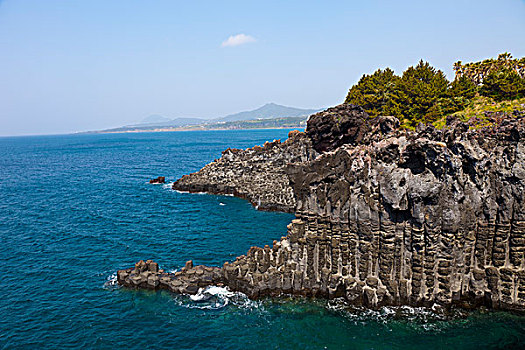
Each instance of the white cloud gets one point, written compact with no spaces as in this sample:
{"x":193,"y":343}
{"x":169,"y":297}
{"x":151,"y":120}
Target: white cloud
{"x":239,"y":39}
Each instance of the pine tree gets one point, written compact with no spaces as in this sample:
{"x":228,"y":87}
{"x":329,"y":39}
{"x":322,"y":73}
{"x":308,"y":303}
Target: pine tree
{"x":463,"y":87}
{"x":424,"y":95}
{"x":503,"y":84}
{"x":419,"y":90}
{"x":374,"y":92}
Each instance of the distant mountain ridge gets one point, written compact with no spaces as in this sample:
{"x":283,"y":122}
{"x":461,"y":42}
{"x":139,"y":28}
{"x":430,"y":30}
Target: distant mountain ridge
{"x":268,"y":111}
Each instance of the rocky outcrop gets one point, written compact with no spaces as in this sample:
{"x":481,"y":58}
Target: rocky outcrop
{"x":188,"y":280}
{"x":256,"y":174}
{"x":158,"y":180}
{"x":390,"y":217}
{"x":337,"y":126}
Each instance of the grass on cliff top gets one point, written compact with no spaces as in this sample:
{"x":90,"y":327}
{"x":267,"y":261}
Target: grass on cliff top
{"x":475,"y":111}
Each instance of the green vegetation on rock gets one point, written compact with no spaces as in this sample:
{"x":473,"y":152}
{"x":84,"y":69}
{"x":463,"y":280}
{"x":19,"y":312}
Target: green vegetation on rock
{"x":478,"y":71}
{"x":375,"y":93}
{"x":503,"y":84}
{"x":422,"y":94}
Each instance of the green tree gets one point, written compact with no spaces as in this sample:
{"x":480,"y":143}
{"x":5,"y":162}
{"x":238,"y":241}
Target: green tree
{"x":420,"y":89}
{"x":445,"y":106}
{"x":375,"y":92}
{"x":458,"y":97}
{"x":503,"y":84}
{"x":463,"y":87}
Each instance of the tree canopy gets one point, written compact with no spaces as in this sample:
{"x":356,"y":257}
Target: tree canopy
{"x":422,"y":94}
{"x":375,"y":92}
{"x":503,"y":84}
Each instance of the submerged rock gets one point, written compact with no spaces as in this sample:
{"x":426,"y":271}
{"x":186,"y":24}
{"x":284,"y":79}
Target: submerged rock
{"x":384,"y":216}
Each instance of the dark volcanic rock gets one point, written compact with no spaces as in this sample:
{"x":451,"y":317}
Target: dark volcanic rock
{"x":158,"y":180}
{"x":148,"y":276}
{"x":336,"y":126}
{"x":433,"y":218}
{"x":256,"y":174}
{"x":388,"y":216}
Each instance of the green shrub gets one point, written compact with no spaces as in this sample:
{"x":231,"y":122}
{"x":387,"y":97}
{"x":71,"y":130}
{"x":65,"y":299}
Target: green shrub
{"x":445,"y":106}
{"x":503,"y":84}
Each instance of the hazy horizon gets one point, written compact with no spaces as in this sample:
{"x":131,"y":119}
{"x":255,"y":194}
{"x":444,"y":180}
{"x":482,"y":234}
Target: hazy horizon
{"x":78,"y":66}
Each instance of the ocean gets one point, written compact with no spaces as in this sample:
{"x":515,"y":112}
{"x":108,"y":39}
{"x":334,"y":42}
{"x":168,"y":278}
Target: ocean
{"x":76,"y":208}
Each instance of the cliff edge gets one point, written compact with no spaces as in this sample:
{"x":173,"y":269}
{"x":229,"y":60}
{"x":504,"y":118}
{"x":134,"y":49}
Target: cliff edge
{"x":256,"y":174}
{"x":384,"y":216}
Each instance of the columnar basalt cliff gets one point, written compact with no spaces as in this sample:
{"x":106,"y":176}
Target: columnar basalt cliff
{"x":256,"y":174}
{"x":390,"y":217}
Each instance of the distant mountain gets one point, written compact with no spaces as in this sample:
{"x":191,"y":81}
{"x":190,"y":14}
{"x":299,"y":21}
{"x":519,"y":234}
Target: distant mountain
{"x":154,"y":118}
{"x":280,"y":116}
{"x":268,"y":111}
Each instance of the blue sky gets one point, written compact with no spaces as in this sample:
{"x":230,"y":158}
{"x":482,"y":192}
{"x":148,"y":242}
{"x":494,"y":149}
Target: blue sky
{"x":69,"y":66}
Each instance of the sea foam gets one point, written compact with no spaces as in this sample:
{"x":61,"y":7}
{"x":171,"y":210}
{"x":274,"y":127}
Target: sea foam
{"x":215,"y":297}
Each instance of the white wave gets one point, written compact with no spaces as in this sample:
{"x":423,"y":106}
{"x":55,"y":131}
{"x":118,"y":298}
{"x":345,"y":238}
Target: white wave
{"x":215,"y":194}
{"x":221,"y":291}
{"x":111,"y":281}
{"x":199,"y":293}
{"x":199,"y":296}
{"x":422,"y":318}
{"x":221,"y":204}
{"x":214,"y":297}
{"x":182,"y":192}
{"x":168,"y":186}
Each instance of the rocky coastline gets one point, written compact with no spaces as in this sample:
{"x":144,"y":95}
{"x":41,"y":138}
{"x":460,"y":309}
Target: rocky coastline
{"x":147,"y":275}
{"x":384,"y":216}
{"x":256,"y":174}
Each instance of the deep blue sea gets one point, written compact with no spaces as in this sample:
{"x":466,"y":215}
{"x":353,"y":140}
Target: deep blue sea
{"x":74,"y":209}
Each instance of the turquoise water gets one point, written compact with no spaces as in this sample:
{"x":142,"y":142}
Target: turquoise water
{"x":74,"y":209}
